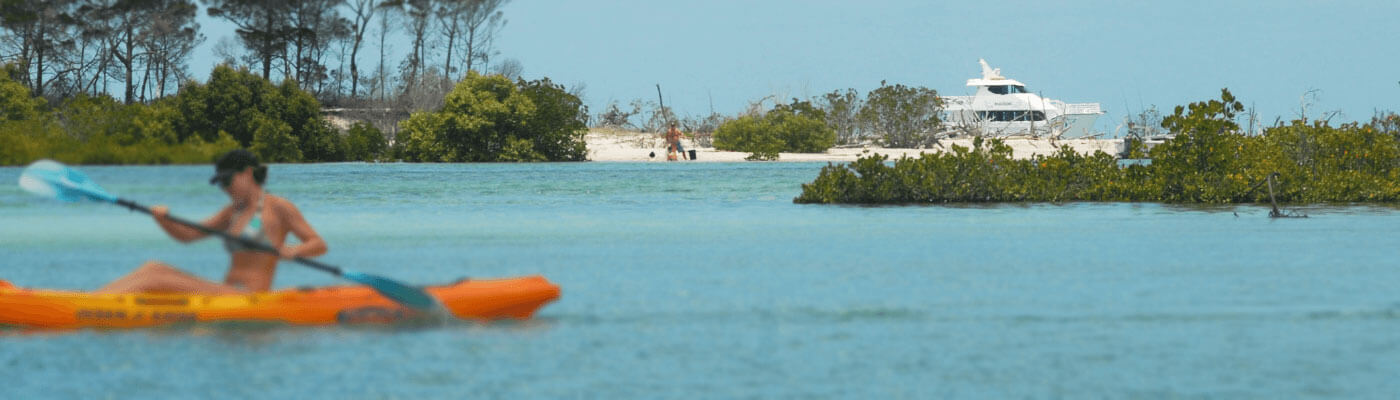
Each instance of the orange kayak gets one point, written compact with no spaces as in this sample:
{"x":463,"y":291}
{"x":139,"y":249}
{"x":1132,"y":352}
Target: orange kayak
{"x":512,"y":298}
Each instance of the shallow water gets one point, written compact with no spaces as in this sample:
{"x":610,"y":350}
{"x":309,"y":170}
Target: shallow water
{"x":705,"y":281}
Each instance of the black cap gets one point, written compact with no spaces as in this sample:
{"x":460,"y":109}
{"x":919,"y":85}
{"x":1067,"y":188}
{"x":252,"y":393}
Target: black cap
{"x":233,"y":162}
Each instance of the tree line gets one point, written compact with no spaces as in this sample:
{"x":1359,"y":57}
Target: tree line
{"x":485,"y":118}
{"x":140,"y":48}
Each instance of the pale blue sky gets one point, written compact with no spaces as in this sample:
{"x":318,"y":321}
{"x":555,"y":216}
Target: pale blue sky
{"x":1126,"y":55}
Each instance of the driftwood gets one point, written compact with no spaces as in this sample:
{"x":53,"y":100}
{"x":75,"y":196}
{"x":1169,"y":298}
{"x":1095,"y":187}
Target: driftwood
{"x":1275,"y":213}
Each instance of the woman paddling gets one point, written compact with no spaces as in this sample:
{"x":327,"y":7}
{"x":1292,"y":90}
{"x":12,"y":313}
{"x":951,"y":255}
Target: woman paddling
{"x":252,"y":213}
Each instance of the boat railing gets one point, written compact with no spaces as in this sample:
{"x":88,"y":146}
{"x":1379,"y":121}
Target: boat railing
{"x":1083,"y":108}
{"x":959,"y":100}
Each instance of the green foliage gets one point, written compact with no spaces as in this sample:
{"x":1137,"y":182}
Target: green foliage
{"x":520,"y":150}
{"x":1208,"y":161}
{"x":316,"y":138}
{"x":798,"y":127}
{"x":1351,"y":163}
{"x":801,"y":134}
{"x":903,"y":116}
{"x":471,"y":126}
{"x":421,"y":138}
{"x":489,"y":118}
{"x":1201,"y":163}
{"x":802,"y":108}
{"x":751,"y":134}
{"x":557,"y":127}
{"x":486,"y":118}
{"x":364,"y":142}
{"x":93,"y":117}
{"x":235,"y":109}
{"x":15,"y":102}
{"x":842,"y":110}
{"x":24,"y":141}
{"x":984,"y":173}
{"x":239,"y":102}
{"x":273,"y":141}
{"x":227,"y":103}
{"x":100,"y":130}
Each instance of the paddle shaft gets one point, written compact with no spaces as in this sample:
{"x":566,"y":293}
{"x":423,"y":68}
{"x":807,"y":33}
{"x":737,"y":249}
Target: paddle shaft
{"x":246,"y":242}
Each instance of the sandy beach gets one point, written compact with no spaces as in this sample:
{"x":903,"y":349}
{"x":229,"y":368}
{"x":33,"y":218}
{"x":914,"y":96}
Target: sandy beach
{"x":614,"y":145}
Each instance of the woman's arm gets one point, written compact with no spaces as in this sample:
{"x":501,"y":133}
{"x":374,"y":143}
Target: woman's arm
{"x":185,"y":234}
{"x":311,"y":243}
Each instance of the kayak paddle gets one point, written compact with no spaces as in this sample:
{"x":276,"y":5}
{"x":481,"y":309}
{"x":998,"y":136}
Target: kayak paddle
{"x":52,"y":179}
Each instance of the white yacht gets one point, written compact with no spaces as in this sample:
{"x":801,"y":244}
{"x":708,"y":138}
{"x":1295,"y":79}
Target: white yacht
{"x":1004,"y":107}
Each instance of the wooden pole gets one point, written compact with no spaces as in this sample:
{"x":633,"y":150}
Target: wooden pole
{"x":666,"y":119}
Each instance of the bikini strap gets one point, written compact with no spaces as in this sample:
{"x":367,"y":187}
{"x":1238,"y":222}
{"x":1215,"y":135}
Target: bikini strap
{"x":258,"y":212}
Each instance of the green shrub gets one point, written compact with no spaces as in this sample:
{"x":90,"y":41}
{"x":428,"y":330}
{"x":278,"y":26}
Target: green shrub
{"x":241,"y":103}
{"x":750,"y":134}
{"x":903,"y":116}
{"x":16,"y":104}
{"x":488,"y":118}
{"x":557,"y":127}
{"x":796,"y":128}
{"x":100,"y":130}
{"x":364,"y":142}
{"x":273,"y":141}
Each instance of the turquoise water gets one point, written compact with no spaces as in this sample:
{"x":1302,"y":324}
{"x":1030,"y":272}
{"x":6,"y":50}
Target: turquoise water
{"x":703,"y":280}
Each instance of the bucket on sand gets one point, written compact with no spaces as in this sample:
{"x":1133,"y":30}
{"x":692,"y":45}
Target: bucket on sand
{"x":692,"y":154}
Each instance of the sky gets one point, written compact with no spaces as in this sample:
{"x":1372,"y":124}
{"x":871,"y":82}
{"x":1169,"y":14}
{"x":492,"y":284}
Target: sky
{"x":1128,"y":55}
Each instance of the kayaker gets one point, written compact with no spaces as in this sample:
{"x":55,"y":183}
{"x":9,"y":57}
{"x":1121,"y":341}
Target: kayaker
{"x":673,"y":137}
{"x":252,"y":213}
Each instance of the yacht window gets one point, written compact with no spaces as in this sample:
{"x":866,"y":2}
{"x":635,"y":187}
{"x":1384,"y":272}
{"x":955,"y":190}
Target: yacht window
{"x":997,"y":89}
{"x":1018,"y":89}
{"x":1011,"y":116}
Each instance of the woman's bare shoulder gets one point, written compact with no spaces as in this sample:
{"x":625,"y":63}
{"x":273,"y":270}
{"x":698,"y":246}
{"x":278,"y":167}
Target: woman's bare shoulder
{"x":281,"y":204}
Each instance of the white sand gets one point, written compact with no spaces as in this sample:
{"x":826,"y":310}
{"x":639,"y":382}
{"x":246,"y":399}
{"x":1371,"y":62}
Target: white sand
{"x":611,"y":145}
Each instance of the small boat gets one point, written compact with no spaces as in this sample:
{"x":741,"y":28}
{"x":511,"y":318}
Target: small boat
{"x":1003,"y":107}
{"x":488,"y":299}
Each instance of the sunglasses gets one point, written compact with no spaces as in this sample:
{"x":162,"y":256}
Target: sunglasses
{"x":224,"y":180}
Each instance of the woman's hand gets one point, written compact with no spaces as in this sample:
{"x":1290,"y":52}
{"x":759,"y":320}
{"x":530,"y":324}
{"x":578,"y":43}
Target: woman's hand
{"x":160,"y":212}
{"x":287,"y":252}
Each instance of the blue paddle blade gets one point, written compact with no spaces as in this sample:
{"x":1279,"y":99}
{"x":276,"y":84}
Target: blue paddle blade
{"x":401,"y":293}
{"x":52,"y":179}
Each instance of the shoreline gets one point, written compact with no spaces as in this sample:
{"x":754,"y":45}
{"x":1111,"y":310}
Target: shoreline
{"x":630,"y":146}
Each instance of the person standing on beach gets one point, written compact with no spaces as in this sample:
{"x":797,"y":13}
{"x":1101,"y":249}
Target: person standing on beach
{"x":673,"y":137}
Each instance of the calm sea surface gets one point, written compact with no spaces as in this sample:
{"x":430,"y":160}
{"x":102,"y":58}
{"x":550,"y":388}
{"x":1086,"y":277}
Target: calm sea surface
{"x":704,"y":280}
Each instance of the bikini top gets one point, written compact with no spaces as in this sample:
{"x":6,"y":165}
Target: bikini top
{"x":252,"y":231}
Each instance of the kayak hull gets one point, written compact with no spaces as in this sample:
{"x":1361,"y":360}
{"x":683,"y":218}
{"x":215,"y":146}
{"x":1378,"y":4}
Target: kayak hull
{"x":511,"y":298}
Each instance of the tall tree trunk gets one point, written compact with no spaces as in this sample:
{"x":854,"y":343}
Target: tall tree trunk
{"x":354,"y":74}
{"x":128,"y":63}
{"x":39,"y":62}
{"x":299,"y":71}
{"x":145,"y":79}
{"x":26,"y":53}
{"x":383,"y":33}
{"x":447,"y":66}
{"x":471,"y":48}
{"x":267,"y":48}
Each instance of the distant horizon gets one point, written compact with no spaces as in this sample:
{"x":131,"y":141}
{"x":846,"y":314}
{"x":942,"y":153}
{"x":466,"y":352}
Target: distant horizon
{"x":1127,"y":57}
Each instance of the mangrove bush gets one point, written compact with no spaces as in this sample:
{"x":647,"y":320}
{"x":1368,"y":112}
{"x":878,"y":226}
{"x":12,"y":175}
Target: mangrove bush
{"x":796,"y":128}
{"x":1208,"y":161}
{"x":489,"y":118}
